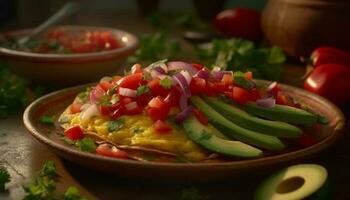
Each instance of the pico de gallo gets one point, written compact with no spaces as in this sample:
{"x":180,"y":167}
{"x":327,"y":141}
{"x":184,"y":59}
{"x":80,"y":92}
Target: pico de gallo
{"x":62,"y":41}
{"x":181,"y":110}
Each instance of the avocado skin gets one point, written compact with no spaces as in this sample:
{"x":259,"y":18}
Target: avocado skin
{"x":243,"y":119}
{"x":204,"y":136}
{"x":282,"y":113}
{"x":236,"y":132}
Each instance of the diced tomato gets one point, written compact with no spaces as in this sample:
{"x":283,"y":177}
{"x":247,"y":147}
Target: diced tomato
{"x":161,"y":127}
{"x":240,"y":95}
{"x":80,"y":47}
{"x":118,"y":112}
{"x":105,"y":85}
{"x":158,"y":109}
{"x":156,"y":88}
{"x":104,"y":110}
{"x":219,"y":87}
{"x":228,"y":94}
{"x":74,"y":133}
{"x":254,"y":94}
{"x":197,"y":66}
{"x":136,"y":69}
{"x":282,"y":99}
{"x":133,"y":111}
{"x":126,"y":100}
{"x":116,"y":79}
{"x":173,"y":97}
{"x":111,"y":151}
{"x":107,"y":41}
{"x":143,"y":99}
{"x":75,"y":108}
{"x":306,"y":140}
{"x":132,"y":81}
{"x":210,"y":89}
{"x":227,"y":79}
{"x":249,"y":76}
{"x":200,"y":116}
{"x":197,"y":85}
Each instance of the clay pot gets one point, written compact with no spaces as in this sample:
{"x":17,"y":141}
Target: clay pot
{"x":299,"y":26}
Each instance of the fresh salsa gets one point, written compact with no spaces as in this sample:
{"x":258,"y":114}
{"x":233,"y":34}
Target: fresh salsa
{"x":61,"y":41}
{"x":176,"y":110}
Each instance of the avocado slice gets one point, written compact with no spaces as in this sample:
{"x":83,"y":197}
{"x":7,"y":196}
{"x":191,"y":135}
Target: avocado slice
{"x":245,"y":120}
{"x":294,"y":182}
{"x":282,"y":113}
{"x":234,"y":131}
{"x":203,"y":135}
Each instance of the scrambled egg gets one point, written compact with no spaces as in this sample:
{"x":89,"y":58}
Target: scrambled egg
{"x":137,"y":130}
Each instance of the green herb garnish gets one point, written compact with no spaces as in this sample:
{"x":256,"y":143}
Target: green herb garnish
{"x":4,"y":178}
{"x":241,"y":80}
{"x":86,"y":144}
{"x":48,"y":120}
{"x":72,"y":193}
{"x":115,"y":125}
{"x":166,"y":83}
{"x":143,"y":89}
{"x":114,"y":99}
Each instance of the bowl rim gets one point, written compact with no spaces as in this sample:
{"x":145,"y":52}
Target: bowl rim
{"x":247,"y":164}
{"x":130,"y":46}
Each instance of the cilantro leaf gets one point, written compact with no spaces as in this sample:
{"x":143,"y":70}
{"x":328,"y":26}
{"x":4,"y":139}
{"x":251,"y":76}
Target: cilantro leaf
{"x":48,"y":120}
{"x":115,"y":125}
{"x":86,"y":144}
{"x":166,"y":83}
{"x":72,"y":193}
{"x":4,"y":178}
{"x":142,"y":90}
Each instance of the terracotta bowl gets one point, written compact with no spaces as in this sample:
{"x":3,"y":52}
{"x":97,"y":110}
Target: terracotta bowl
{"x":70,"y":69}
{"x":55,"y":103}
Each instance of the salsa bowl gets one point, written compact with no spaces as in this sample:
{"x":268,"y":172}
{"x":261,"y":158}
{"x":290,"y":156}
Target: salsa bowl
{"x":55,"y":103}
{"x":72,"y":68}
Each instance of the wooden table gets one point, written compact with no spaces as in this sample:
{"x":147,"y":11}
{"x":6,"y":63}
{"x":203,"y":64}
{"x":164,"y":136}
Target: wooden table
{"x":24,"y":156}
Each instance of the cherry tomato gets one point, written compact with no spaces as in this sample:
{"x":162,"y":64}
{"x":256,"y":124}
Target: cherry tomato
{"x":75,"y":108}
{"x":132,"y":81}
{"x":197,"y":85}
{"x":200,"y":116}
{"x":74,"y":133}
{"x":240,"y":95}
{"x":161,"y":127}
{"x":239,"y":22}
{"x":111,"y":151}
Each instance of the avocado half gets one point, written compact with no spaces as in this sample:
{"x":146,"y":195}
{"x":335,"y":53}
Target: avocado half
{"x":292,"y":183}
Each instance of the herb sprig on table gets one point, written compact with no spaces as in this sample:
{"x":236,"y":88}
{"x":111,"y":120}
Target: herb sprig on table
{"x":242,"y":55}
{"x":4,"y":178}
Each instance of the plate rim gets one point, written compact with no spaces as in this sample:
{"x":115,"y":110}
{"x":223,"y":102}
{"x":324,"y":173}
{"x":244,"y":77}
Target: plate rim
{"x":247,"y":163}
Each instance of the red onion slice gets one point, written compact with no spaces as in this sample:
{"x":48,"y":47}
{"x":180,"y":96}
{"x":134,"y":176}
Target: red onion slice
{"x":181,"y":80}
{"x":179,"y":65}
{"x":218,"y":74}
{"x":183,"y":102}
{"x":187,"y":76}
{"x":127,"y":92}
{"x":266,"y":103}
{"x":183,"y":115}
{"x":95,"y":94}
{"x":204,"y":74}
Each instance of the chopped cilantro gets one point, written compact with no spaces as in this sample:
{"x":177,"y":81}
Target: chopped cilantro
{"x":72,"y":193}
{"x":114,"y":99}
{"x":166,"y":83}
{"x":242,"y":81}
{"x":83,"y":96}
{"x":49,"y":120}
{"x":142,"y":90}
{"x":86,"y":144}
{"x":115,"y":125}
{"x":4,"y":178}
{"x":104,"y":100}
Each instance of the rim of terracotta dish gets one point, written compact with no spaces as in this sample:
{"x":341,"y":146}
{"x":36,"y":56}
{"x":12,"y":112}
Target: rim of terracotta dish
{"x":251,"y":163}
{"x":129,"y":41}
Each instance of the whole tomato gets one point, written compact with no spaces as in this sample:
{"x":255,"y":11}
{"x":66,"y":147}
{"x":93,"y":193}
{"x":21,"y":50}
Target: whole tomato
{"x":239,"y":22}
{"x":330,"y":81}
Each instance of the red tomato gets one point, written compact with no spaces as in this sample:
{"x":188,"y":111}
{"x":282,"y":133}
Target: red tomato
{"x":240,"y":95}
{"x":197,"y":66}
{"x":118,"y":112}
{"x":136,"y":68}
{"x":239,"y":22}
{"x":158,"y":109}
{"x":74,"y":133}
{"x":143,"y":99}
{"x":282,"y":99}
{"x":173,"y":97}
{"x":249,"y":76}
{"x":125,"y":100}
{"x":200,"y":116}
{"x":132,"y":81}
{"x":218,"y":87}
{"x":306,"y":140}
{"x":111,"y":151}
{"x":75,"y":108}
{"x":254,"y":94}
{"x":197,"y":85}
{"x":210,"y":89}
{"x":161,"y":127}
{"x":156,"y":88}
{"x":105,"y":85}
{"x":227,"y":79}
{"x":80,"y":47}
{"x":133,"y":111}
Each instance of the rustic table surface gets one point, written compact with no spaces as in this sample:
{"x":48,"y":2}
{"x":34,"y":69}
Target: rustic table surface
{"x":24,"y":157}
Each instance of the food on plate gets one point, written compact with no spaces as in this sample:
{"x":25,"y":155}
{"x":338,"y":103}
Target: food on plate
{"x":181,"y":112}
{"x":303,"y":181}
{"x":62,"y":41}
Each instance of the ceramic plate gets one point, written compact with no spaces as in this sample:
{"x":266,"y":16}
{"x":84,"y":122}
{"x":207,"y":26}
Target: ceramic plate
{"x":56,"y":102}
